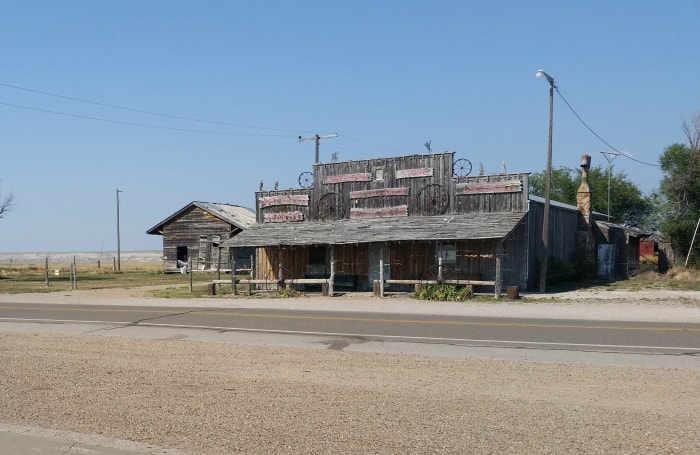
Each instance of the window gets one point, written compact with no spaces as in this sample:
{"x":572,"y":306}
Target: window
{"x":317,"y":255}
{"x":448,"y":253}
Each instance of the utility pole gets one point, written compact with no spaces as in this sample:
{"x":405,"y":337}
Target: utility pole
{"x":317,"y":138}
{"x":547,"y":185}
{"x":119,"y":250}
{"x":610,"y":156}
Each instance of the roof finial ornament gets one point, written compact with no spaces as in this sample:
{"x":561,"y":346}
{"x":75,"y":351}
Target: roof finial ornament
{"x":261,"y":185}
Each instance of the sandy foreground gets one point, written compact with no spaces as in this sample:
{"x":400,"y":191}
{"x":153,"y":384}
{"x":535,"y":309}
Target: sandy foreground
{"x":216,"y":398}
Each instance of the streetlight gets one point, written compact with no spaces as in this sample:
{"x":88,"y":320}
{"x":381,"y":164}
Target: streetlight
{"x":547,"y":185}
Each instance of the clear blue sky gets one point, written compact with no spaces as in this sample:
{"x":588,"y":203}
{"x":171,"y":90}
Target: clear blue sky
{"x":387,"y":76}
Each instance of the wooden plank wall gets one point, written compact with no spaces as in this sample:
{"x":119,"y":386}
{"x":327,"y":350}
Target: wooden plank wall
{"x":392,"y":187}
{"x":476,"y":259}
{"x":186,"y":231}
{"x":350,"y":260}
{"x":281,"y":208}
{"x":485,"y":201}
{"x":382,"y":174}
{"x":563,"y":224}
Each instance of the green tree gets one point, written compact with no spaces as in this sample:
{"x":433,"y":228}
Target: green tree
{"x":680,"y":188}
{"x":626,"y":201}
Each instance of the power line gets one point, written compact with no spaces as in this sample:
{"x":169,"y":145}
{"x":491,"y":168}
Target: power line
{"x":598,"y":136}
{"x":141,"y":111}
{"x":143,"y":125}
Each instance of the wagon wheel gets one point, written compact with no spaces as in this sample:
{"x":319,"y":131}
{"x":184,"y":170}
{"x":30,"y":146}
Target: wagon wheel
{"x":433,"y":274}
{"x":433,"y":199}
{"x":331,"y":207}
{"x":306,"y":180}
{"x":462,"y":167}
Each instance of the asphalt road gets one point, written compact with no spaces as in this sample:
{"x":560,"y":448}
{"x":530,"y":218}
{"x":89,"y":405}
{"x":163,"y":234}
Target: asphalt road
{"x":341,"y":329}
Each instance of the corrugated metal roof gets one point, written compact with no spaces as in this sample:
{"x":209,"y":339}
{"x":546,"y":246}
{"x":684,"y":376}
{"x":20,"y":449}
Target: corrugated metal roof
{"x":234,"y":215}
{"x":447,"y":227}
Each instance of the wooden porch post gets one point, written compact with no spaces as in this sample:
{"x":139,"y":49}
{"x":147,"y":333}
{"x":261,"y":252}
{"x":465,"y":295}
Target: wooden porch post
{"x":279,"y":267}
{"x":218,"y":264}
{"x":499,"y":273}
{"x":233,"y":274}
{"x":331,"y":280}
{"x":381,"y":271}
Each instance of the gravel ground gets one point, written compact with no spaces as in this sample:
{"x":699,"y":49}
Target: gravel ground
{"x":210,"y":398}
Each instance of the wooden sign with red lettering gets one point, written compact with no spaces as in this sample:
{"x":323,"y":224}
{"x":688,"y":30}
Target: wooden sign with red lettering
{"x":361,"y":177}
{"x":284,"y":199}
{"x":379,"y":193}
{"x":401,"y":210}
{"x":282,"y":217}
{"x":412,"y":173}
{"x":511,"y":186}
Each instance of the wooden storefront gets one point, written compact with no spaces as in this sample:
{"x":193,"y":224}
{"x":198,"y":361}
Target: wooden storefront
{"x":409,"y":213}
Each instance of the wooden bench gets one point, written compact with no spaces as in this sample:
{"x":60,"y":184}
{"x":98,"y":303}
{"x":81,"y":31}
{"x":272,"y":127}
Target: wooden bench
{"x":273,"y":285}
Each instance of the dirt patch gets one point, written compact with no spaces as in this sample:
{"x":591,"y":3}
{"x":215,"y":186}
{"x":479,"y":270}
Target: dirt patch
{"x":207,"y":398}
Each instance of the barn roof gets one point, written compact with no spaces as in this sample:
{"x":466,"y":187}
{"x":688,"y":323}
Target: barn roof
{"x":446,"y":227}
{"x":234,"y":215}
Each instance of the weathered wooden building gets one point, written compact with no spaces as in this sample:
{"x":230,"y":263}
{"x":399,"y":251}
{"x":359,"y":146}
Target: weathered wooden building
{"x":195,"y":233}
{"x":618,"y":250}
{"x":418,"y":215}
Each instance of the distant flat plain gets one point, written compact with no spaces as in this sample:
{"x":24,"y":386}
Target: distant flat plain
{"x":80,"y":257}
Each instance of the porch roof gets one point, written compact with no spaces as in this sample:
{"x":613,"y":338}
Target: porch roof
{"x":445,"y":227}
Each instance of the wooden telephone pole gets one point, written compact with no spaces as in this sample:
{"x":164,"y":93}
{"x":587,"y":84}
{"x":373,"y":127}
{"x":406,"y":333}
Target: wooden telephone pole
{"x":317,"y":138}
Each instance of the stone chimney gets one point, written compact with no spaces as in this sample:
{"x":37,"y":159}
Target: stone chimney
{"x":583,"y":197}
{"x":585,"y":241}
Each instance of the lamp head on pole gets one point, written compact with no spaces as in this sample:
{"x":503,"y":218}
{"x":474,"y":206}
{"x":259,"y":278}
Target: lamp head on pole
{"x":549,"y":78}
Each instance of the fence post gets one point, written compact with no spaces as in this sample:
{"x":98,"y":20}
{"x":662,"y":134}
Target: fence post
{"x":331,"y":281}
{"x":233,"y":275}
{"x":189,"y":267}
{"x":381,"y":274}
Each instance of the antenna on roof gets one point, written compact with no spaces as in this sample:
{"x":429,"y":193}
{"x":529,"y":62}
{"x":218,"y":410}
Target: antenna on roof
{"x":427,"y":145}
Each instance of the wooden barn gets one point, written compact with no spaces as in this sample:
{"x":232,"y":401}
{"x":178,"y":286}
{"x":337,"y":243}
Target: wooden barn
{"x":195,"y":233}
{"x":405,"y":219}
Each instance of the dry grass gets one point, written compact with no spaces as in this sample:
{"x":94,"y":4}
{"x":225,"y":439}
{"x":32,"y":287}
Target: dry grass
{"x":681,"y":279}
{"x":32,"y":278}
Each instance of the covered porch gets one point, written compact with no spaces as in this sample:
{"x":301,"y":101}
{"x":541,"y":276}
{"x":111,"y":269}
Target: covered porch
{"x":395,"y":254}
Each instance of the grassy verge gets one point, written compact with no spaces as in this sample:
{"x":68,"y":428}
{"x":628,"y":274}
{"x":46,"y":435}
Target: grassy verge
{"x":31,"y":278}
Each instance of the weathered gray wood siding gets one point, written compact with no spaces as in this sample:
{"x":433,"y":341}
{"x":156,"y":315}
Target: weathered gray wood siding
{"x":563,"y":224}
{"x":413,"y":173}
{"x":278,"y":203}
{"x":515,"y":199}
{"x":400,"y":187}
{"x":515,"y":257}
{"x":415,"y":185}
{"x":186,"y":230}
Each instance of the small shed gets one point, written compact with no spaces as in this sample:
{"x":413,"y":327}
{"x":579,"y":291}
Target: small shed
{"x":625,"y":245}
{"x":195,"y":232}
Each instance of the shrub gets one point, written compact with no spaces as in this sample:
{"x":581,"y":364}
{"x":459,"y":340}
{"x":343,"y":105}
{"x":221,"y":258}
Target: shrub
{"x":287,"y":293}
{"x":444,"y":292}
